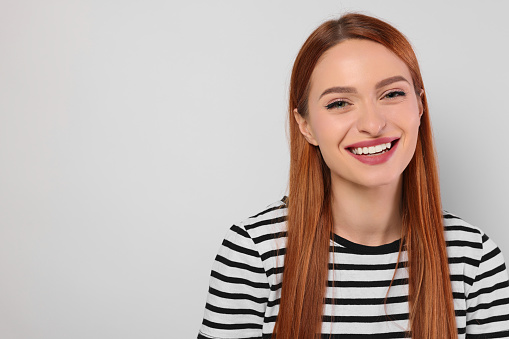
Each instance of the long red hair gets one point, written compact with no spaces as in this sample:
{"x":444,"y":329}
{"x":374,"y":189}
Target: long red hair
{"x":431,"y":308}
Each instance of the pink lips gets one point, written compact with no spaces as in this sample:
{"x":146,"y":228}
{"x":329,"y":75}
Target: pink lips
{"x":374,"y":159}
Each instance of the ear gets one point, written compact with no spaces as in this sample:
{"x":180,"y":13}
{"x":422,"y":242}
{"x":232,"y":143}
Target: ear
{"x":421,"y":105}
{"x":304,"y":128}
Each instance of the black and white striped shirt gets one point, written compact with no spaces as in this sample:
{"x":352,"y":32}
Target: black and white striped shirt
{"x":245,"y":283}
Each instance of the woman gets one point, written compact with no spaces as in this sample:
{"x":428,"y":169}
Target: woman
{"x":365,"y":245}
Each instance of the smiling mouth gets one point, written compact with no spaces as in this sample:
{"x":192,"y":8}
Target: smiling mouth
{"x":373,"y":150}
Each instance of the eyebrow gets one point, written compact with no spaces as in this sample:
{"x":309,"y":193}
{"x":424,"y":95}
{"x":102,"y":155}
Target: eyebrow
{"x":380,"y":84}
{"x":390,"y":80}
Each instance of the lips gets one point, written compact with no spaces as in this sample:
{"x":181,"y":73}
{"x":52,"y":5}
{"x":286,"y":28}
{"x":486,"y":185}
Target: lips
{"x":373,"y":152}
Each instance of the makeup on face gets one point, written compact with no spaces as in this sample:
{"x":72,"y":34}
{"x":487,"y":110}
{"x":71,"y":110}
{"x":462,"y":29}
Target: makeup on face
{"x":364,"y":113}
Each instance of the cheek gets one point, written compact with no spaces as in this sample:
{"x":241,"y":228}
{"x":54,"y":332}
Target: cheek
{"x":329,"y":131}
{"x":414,"y":124}
{"x":411,"y":130}
{"x":328,"y":127}
{"x":407,"y":118}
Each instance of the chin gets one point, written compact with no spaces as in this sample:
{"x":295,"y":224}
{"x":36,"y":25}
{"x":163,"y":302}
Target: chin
{"x":378,"y":180}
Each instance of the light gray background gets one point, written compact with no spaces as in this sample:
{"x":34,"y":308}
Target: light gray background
{"x":134,"y":133}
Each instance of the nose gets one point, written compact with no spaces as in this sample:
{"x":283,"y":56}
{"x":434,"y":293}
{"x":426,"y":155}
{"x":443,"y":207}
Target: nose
{"x":371,"y":120}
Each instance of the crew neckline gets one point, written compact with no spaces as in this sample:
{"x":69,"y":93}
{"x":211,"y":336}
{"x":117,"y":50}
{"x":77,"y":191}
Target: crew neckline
{"x":380,"y":249}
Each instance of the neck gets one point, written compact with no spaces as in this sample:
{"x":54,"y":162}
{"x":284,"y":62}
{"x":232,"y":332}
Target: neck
{"x":367,"y":215}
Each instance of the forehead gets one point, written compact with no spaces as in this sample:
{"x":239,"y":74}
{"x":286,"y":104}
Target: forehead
{"x":357,"y":63}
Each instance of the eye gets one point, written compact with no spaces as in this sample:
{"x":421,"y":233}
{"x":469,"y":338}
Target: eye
{"x":337,"y":104}
{"x":394,"y":94}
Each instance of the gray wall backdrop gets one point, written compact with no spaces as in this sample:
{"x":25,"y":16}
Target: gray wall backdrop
{"x":134,"y":133}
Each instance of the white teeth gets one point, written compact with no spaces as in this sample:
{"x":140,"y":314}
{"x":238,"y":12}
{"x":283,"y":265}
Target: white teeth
{"x":372,"y":149}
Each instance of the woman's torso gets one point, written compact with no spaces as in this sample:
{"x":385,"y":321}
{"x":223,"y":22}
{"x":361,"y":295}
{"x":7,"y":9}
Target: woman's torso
{"x":245,"y":284}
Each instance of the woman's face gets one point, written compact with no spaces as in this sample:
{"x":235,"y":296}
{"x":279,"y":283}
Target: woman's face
{"x":364,"y":114}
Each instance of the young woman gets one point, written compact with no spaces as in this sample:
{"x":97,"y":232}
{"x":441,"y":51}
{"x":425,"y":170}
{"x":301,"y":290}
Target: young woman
{"x":361,"y":245}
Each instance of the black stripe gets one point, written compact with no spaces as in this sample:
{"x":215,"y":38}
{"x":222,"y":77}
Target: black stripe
{"x":485,"y":238}
{"x":461,"y":277}
{"x":240,"y":265}
{"x":486,"y":306}
{"x":339,"y":249}
{"x":391,"y":300}
{"x":272,"y":303}
{"x":500,"y":268}
{"x":266,"y":222}
{"x":488,"y":320}
{"x":463,"y":243}
{"x":268,"y":210}
{"x":269,"y":236}
{"x":464,"y":260}
{"x":276,"y":286}
{"x":460,"y":313}
{"x":356,"y":284}
{"x":450,"y":216}
{"x":240,"y":231}
{"x":490,"y":255}
{"x":392,"y":247}
{"x":275,"y":270}
{"x":273,"y":253}
{"x":461,"y":228}
{"x":365,"y":301}
{"x":458,"y":295}
{"x":241,"y":326}
{"x":364,"y":318}
{"x":222,"y":310}
{"x":500,"y":334}
{"x":365,"y":267}
{"x":486,"y":290}
{"x":240,"y":249}
{"x":201,"y":336}
{"x":236,"y":296}
{"x":239,"y":281}
{"x":271,"y":319}
{"x":361,"y":284}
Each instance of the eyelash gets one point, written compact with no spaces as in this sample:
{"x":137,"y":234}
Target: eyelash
{"x":342,"y":103}
{"x":336,"y":104}
{"x":397,"y":92}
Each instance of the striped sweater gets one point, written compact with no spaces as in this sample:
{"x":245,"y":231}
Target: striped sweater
{"x":245,"y":283}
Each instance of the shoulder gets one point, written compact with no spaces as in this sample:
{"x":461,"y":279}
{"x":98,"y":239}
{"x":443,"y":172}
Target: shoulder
{"x":461,"y":233}
{"x":464,"y":240}
{"x":266,"y":224}
{"x":472,"y":249}
{"x":262,"y":235}
{"x":261,"y":228}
